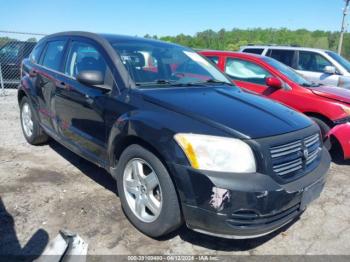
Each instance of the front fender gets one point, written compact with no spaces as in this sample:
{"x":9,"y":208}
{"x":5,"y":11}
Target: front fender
{"x":155,"y":129}
{"x":150,"y":127}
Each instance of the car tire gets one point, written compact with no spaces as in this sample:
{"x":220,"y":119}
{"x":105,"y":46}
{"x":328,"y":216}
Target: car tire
{"x":136,"y":160}
{"x":322,"y":125}
{"x":32,"y":131}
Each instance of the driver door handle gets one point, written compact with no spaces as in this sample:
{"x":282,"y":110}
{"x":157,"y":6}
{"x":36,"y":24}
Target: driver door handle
{"x":61,"y":84}
{"x":33,"y":73}
{"x":88,"y":99}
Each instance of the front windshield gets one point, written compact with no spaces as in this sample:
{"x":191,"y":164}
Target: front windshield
{"x":341,"y":60}
{"x":10,"y":50}
{"x":289,"y":72}
{"x":152,"y":63}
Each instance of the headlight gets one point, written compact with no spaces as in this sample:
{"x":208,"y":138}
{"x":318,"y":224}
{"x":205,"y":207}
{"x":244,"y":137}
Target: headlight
{"x":217,"y":153}
{"x":346,"y":110}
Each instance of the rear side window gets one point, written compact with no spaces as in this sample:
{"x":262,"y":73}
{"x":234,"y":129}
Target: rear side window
{"x":311,"y":61}
{"x":284,"y":56}
{"x":53,"y":55}
{"x":257,"y":51}
{"x":214,"y":59}
{"x":246,"y":71}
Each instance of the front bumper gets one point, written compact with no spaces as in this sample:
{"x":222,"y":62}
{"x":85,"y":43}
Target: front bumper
{"x":342,"y":134}
{"x":244,"y":205}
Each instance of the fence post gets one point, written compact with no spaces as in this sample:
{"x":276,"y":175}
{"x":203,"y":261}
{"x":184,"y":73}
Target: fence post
{"x":2,"y":93}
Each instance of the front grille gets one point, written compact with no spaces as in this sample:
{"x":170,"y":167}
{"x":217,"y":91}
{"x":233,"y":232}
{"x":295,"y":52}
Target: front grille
{"x":295,"y":157}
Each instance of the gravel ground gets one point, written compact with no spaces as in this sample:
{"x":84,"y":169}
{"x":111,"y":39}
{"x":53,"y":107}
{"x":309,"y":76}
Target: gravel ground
{"x":47,"y":188}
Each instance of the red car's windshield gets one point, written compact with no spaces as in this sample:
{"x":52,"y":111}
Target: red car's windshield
{"x":341,"y":60}
{"x":289,"y":72}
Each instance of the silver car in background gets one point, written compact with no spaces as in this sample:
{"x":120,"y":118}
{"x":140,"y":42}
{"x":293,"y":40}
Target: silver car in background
{"x":317,"y":65}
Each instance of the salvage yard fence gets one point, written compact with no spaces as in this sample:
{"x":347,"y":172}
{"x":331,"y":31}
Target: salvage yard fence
{"x":14,"y":47}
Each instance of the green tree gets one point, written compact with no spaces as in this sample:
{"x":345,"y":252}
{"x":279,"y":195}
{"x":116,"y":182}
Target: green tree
{"x":235,"y":38}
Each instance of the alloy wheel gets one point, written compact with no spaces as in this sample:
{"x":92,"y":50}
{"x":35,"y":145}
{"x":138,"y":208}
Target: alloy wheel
{"x":142,"y":190}
{"x":27,"y":121}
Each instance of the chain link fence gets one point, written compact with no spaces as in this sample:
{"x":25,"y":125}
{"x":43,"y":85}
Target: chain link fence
{"x":14,"y":47}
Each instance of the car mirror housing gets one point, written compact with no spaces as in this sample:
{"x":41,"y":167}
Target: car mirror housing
{"x":274,"y":82}
{"x":91,"y":78}
{"x":330,"y":70}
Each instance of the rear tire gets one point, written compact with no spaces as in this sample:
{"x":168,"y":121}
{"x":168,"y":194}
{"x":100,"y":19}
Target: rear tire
{"x":32,"y":131}
{"x":152,"y":207}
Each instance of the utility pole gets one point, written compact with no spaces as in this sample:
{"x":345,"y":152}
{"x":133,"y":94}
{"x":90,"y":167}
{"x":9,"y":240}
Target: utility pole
{"x":343,"y":26}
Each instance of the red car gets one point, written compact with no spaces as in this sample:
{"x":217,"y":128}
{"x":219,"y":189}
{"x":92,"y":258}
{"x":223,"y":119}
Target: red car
{"x":328,"y":106}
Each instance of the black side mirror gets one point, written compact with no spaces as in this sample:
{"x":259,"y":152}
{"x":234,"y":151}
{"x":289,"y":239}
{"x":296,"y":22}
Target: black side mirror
{"x":91,"y":78}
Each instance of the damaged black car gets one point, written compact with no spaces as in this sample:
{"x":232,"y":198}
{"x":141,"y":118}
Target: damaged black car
{"x":183,"y":143}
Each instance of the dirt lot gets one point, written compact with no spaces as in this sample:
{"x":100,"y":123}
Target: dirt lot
{"x":47,"y":188}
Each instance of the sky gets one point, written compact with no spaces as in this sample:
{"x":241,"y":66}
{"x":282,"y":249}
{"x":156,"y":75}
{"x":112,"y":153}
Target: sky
{"x":165,"y":17}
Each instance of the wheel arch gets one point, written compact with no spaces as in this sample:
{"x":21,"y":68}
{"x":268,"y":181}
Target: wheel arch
{"x":151,"y":135}
{"x":146,"y":129}
{"x":337,"y":148}
{"x":125,"y":141}
{"x":322,"y":117}
{"x":20,"y":95}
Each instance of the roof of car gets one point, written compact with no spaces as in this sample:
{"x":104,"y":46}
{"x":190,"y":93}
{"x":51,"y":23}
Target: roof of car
{"x":104,"y":40}
{"x":283,"y":47}
{"x":226,"y":52}
{"x":108,"y":37}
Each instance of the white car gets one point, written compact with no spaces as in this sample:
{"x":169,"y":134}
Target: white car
{"x":318,"y":65}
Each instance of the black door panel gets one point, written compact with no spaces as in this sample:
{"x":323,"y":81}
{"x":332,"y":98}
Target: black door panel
{"x":45,"y":80}
{"x":80,"y":115}
{"x":79,"y":108}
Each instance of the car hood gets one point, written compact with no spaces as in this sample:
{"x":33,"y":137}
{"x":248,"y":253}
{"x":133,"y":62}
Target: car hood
{"x":332,"y":92}
{"x":230,"y":109}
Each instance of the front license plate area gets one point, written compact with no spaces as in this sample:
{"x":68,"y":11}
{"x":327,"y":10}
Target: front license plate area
{"x":311,"y":193}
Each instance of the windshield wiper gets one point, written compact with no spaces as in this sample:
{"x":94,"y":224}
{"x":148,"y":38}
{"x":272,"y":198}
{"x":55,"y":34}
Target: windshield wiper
{"x":313,"y":84}
{"x":316,"y":84}
{"x":215,"y":81}
{"x":305,"y":84}
{"x":164,"y":82}
{"x":180,"y":84}
{"x":156,"y":82}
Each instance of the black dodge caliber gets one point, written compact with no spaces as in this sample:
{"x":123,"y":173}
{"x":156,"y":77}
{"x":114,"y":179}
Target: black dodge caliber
{"x":183,"y":143}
